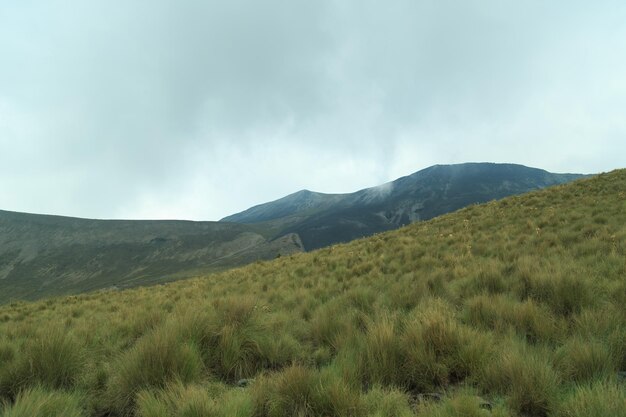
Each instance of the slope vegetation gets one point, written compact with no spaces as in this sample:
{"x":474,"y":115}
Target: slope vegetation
{"x":511,"y":308}
{"x":53,"y":255}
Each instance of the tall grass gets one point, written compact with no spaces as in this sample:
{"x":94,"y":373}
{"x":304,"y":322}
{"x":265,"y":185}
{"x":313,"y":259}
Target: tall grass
{"x":598,"y":399}
{"x":157,"y":359}
{"x":463,"y":403}
{"x":52,"y":358}
{"x":527,"y":377}
{"x":517,"y":304}
{"x":39,"y":402}
{"x":176,"y":400}
{"x":303,"y":392}
{"x":585,"y":360}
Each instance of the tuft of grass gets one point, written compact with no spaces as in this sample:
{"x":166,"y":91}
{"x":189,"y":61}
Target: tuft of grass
{"x":52,"y":359}
{"x":157,"y":359}
{"x":176,"y":400}
{"x":438,"y":350}
{"x":608,"y":326}
{"x":489,"y":278}
{"x":7,"y":352}
{"x":598,"y":399}
{"x":564,"y":291}
{"x":235,"y":403}
{"x":532,"y":321}
{"x":329,"y":326}
{"x":39,"y":402}
{"x":386,"y":402}
{"x":237,"y":342}
{"x":465,"y":404}
{"x":303,"y":392}
{"x":584,"y":360}
{"x":382,"y":352}
{"x":527,"y":377}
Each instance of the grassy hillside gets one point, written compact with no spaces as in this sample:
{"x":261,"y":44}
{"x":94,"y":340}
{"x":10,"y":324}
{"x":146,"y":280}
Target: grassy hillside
{"x":42,"y":256}
{"x":511,"y":308}
{"x":53,"y":255}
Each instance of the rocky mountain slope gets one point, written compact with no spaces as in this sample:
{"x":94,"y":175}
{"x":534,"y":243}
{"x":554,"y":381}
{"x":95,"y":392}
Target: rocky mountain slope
{"x":324,"y":219}
{"x":51,"y":255}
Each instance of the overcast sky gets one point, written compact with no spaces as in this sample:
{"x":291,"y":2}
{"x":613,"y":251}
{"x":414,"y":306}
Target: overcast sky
{"x":199,"y":109}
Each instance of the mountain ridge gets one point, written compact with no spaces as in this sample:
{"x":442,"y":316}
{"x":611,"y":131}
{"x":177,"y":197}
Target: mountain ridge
{"x":42,"y":255}
{"x":47,"y":254}
{"x":508,"y":308}
{"x":323,"y":219}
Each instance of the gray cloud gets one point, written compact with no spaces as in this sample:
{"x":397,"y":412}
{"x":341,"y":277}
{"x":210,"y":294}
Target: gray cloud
{"x":196,"y":109}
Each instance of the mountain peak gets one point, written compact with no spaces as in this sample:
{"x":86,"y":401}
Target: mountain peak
{"x":323,"y":219}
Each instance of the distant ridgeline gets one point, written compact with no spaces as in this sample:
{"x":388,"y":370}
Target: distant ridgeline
{"x":51,"y":255}
{"x":324,"y":219}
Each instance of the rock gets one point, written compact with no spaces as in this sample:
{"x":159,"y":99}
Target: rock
{"x":485,"y":405}
{"x":429,"y":396}
{"x":242,"y":383}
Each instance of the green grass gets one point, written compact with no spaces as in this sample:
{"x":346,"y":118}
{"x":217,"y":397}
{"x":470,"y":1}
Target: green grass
{"x":598,"y":399}
{"x":38,"y":402}
{"x":51,"y":358}
{"x":157,"y":359}
{"x":517,"y":304}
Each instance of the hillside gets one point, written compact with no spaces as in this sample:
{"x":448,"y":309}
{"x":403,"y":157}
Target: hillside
{"x":53,"y":255}
{"x":510,"y":308}
{"x":325,"y":219}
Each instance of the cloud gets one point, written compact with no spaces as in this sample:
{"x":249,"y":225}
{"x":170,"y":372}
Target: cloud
{"x":196,"y":109}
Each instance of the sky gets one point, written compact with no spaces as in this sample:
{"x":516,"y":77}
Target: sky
{"x":189,"y":109}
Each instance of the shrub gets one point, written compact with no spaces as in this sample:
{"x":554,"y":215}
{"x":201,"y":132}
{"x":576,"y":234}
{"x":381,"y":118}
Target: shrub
{"x":38,"y":402}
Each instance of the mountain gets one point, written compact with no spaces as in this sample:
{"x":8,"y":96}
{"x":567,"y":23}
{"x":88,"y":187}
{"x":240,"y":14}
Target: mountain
{"x":44,"y":255}
{"x":47,"y":255}
{"x":510,"y":308}
{"x":325,"y":219}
